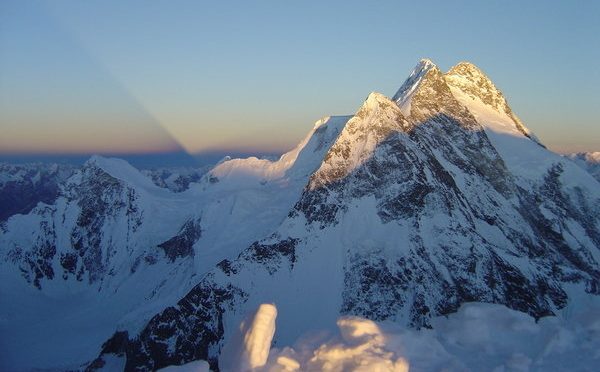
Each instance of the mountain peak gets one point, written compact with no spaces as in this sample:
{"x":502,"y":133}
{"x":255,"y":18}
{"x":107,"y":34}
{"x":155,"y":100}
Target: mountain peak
{"x":471,"y":80}
{"x":430,"y":96}
{"x":466,"y":69}
{"x":119,"y":169}
{"x":472,"y":87}
{"x":375,"y":99}
{"x":426,"y":63}
{"x":375,"y":120}
{"x":377,"y":104}
{"x":410,"y":85}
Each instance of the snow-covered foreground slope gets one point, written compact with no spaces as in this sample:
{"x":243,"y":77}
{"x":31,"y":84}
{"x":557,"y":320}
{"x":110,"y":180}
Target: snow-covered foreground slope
{"x":478,"y":337}
{"x":419,"y":204}
{"x":112,"y":248}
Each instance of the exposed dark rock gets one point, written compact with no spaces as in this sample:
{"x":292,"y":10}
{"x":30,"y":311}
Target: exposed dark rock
{"x":182,"y":244}
{"x":270,"y":254}
{"x":181,"y":333}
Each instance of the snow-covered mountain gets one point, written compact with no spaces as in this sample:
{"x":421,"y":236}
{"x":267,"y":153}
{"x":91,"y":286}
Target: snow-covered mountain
{"x":113,"y":248}
{"x":403,"y":211}
{"x":589,"y":161}
{"x":434,"y":198}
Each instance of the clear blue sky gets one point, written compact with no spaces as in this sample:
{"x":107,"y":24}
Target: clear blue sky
{"x":136,"y":76}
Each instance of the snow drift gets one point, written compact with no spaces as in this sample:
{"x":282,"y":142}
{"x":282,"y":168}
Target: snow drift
{"x":479,"y":337}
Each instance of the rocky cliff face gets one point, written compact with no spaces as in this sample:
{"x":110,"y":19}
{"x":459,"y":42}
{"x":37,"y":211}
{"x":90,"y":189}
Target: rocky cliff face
{"x":417,"y":207}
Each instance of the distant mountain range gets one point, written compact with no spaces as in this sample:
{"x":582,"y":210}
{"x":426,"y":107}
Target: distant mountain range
{"x":589,"y":161}
{"x":404,"y":211}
